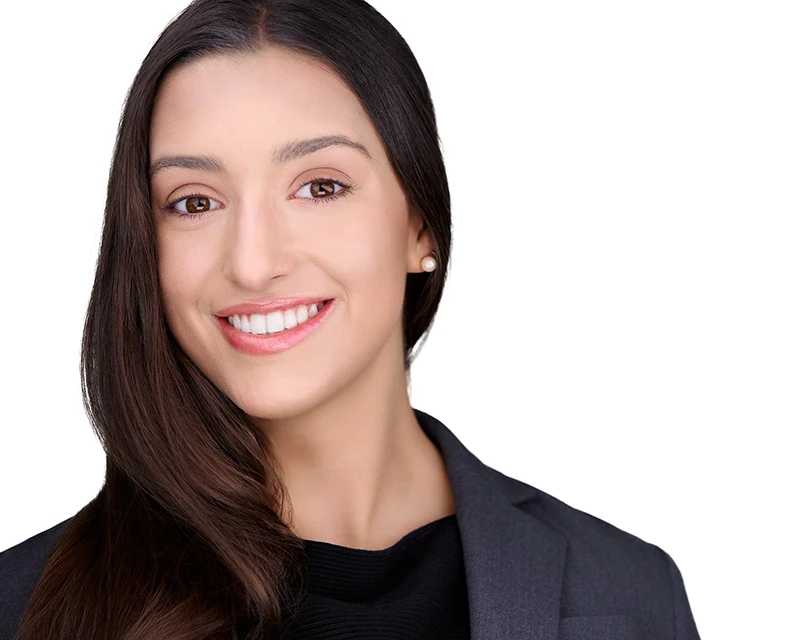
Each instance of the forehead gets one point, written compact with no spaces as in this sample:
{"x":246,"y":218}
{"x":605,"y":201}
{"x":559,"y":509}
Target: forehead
{"x":261,"y":98}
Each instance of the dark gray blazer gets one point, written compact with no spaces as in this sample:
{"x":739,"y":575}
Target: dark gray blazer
{"x":536,"y":568}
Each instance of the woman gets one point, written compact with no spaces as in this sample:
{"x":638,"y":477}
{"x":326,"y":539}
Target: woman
{"x":276,"y":240}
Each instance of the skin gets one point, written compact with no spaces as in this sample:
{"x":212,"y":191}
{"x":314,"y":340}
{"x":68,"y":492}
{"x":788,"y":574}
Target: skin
{"x":359,"y":470}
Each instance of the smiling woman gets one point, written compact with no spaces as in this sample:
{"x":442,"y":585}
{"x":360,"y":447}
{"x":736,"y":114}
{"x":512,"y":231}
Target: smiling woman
{"x":274,"y":249}
{"x":238,"y":213}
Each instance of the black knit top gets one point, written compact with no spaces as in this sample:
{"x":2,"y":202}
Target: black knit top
{"x":413,"y":590}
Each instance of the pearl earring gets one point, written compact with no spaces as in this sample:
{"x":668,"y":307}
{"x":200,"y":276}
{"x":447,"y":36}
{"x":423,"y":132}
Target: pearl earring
{"x":428,"y":263}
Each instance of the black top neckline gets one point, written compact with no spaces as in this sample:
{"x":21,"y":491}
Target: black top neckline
{"x":360,"y":575}
{"x":318,"y":546}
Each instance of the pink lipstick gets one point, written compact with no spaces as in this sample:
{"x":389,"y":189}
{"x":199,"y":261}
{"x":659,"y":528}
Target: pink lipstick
{"x":270,"y":343}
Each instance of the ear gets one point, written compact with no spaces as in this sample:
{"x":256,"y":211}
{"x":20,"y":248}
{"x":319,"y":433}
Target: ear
{"x":420,"y":243}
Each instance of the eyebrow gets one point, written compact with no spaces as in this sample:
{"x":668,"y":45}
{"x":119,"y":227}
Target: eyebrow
{"x":200,"y":163}
{"x":298,"y":148}
{"x":286,"y":153}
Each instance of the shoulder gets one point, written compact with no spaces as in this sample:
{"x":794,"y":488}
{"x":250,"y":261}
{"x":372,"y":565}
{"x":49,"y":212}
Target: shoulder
{"x":606,"y":568}
{"x":20,"y":567}
{"x":594,"y":545}
{"x":578,"y":527}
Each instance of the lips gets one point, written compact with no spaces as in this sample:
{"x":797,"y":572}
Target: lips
{"x":268,"y":344}
{"x":264,"y":307}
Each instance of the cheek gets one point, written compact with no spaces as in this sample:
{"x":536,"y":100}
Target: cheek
{"x":371,"y":259}
{"x":370,"y":265}
{"x":183,"y":270}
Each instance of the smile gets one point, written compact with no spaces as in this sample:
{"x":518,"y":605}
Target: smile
{"x":277,"y":321}
{"x":265,"y":334}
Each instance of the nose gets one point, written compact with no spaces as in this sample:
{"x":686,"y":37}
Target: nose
{"x":258,"y":248}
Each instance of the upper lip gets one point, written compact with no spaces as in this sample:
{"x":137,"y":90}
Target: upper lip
{"x":264,"y":307}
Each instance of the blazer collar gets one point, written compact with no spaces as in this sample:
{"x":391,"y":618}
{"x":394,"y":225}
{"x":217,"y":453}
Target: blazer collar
{"x":513,"y":561}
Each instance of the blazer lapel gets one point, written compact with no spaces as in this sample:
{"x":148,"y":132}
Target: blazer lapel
{"x":514,"y":562}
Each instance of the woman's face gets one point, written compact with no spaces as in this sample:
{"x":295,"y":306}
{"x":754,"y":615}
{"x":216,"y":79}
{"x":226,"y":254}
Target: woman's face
{"x":273,"y":217}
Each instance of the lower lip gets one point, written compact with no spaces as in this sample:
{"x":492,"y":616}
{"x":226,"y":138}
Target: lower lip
{"x":269,"y":343}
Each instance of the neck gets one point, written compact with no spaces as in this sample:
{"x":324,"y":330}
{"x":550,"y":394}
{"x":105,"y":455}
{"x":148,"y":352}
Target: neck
{"x":359,"y":470}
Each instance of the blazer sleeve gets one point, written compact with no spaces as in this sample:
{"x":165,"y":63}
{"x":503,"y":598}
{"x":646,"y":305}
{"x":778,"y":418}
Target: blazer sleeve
{"x":684,"y":625}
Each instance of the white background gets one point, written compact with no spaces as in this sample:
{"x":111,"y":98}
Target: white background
{"x":620,"y":327}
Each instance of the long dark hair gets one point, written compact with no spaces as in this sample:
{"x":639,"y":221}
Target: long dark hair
{"x":185,"y":539}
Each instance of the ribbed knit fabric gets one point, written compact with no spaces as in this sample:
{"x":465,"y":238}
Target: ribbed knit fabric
{"x":413,"y":590}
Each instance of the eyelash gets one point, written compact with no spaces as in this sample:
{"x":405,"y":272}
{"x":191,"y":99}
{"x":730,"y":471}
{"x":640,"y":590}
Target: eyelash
{"x":169,"y":207}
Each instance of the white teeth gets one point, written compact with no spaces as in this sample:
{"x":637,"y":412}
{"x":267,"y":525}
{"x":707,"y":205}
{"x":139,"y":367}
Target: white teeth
{"x":276,"y":321}
{"x":258,"y":324}
{"x":291,"y":319}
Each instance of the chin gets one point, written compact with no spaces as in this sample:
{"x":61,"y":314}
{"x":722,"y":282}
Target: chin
{"x":278,"y":401}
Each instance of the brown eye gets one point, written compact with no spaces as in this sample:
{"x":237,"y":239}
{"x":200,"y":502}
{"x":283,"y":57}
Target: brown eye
{"x":321,"y":189}
{"x":197,"y":204}
{"x":192,"y":205}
